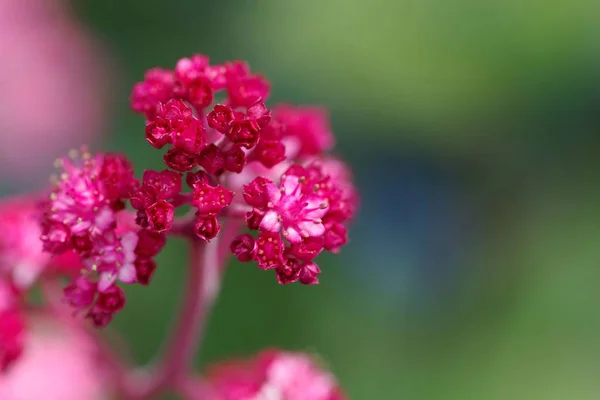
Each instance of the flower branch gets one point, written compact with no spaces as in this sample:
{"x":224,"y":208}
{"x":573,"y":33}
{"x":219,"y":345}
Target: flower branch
{"x":202,"y":288}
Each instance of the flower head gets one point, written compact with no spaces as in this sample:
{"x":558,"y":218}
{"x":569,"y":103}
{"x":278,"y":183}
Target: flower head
{"x":307,"y":209}
{"x":85,"y":215}
{"x":274,"y":375}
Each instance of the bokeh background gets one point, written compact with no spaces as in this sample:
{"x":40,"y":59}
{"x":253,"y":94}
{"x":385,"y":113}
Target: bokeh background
{"x":473,"y":128}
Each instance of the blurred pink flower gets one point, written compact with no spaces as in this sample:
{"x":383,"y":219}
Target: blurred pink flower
{"x":22,"y":259}
{"x":58,"y":363}
{"x":52,"y":86}
{"x":273,"y":375}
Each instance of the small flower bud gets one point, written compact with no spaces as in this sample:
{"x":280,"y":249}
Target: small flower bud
{"x":158,"y":133}
{"x":211,"y":199}
{"x":194,"y":178}
{"x":144,"y":268}
{"x":149,"y":243}
{"x":235,"y":159}
{"x":220,"y":118}
{"x":243,"y":247}
{"x":206,"y":227}
{"x":180,"y":160}
{"x":212,"y":159}
{"x":160,"y":216}
{"x":309,"y":274}
{"x":111,"y":300}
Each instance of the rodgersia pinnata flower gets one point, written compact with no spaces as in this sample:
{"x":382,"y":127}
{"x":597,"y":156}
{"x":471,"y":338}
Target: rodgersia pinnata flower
{"x":258,"y":184}
{"x":273,"y":375}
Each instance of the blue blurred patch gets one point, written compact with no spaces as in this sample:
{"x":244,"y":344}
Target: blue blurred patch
{"x":412,"y":235}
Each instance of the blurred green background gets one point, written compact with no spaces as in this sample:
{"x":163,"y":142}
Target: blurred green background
{"x":473,"y":129}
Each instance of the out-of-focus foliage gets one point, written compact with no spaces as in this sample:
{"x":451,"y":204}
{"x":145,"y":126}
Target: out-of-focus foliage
{"x":456,"y":71}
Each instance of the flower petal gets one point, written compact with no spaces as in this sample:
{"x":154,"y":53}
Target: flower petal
{"x":106,"y":280}
{"x":290,"y":184}
{"x":127,"y":273}
{"x":292,"y":235}
{"x":270,"y":222}
{"x":311,"y":228}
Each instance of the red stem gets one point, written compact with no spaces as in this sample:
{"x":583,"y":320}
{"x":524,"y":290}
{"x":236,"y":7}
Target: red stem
{"x":202,"y":287}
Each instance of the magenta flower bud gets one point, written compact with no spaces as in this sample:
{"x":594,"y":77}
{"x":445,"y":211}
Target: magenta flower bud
{"x":245,"y":128}
{"x":235,"y":159}
{"x":165,"y":185}
{"x":309,"y":274}
{"x":243,"y":247}
{"x":180,"y":160}
{"x":260,"y":113}
{"x":200,"y":93}
{"x":80,"y":293}
{"x":111,"y":300}
{"x":253,"y":219}
{"x":211,"y":199}
{"x":116,"y":174}
{"x":149,"y":243}
{"x":157,"y":87}
{"x":206,"y":227}
{"x":260,"y":192}
{"x":193,"y":178}
{"x":158,"y":133}
{"x":144,"y":269}
{"x":176,"y":112}
{"x":308,"y":249}
{"x":160,"y":216}
{"x":187,"y":69}
{"x":189,"y":136}
{"x":247,"y":90}
{"x":212,"y":159}
{"x":220,"y":118}
{"x":269,"y":152}
{"x":288,"y":272}
{"x":82,"y":242}
{"x":269,"y":253}
{"x":244,"y":133}
{"x":142,"y":198}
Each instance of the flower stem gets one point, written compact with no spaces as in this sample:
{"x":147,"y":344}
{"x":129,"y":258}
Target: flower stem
{"x":202,"y":287}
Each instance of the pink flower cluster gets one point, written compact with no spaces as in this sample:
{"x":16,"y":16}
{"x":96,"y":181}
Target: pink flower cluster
{"x":22,"y":264}
{"x":273,"y":375}
{"x":297,"y":198}
{"x":231,"y":161}
{"x":297,"y":220}
{"x":85,"y":215}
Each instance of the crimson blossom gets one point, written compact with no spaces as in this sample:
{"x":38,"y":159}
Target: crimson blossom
{"x":237,"y":165}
